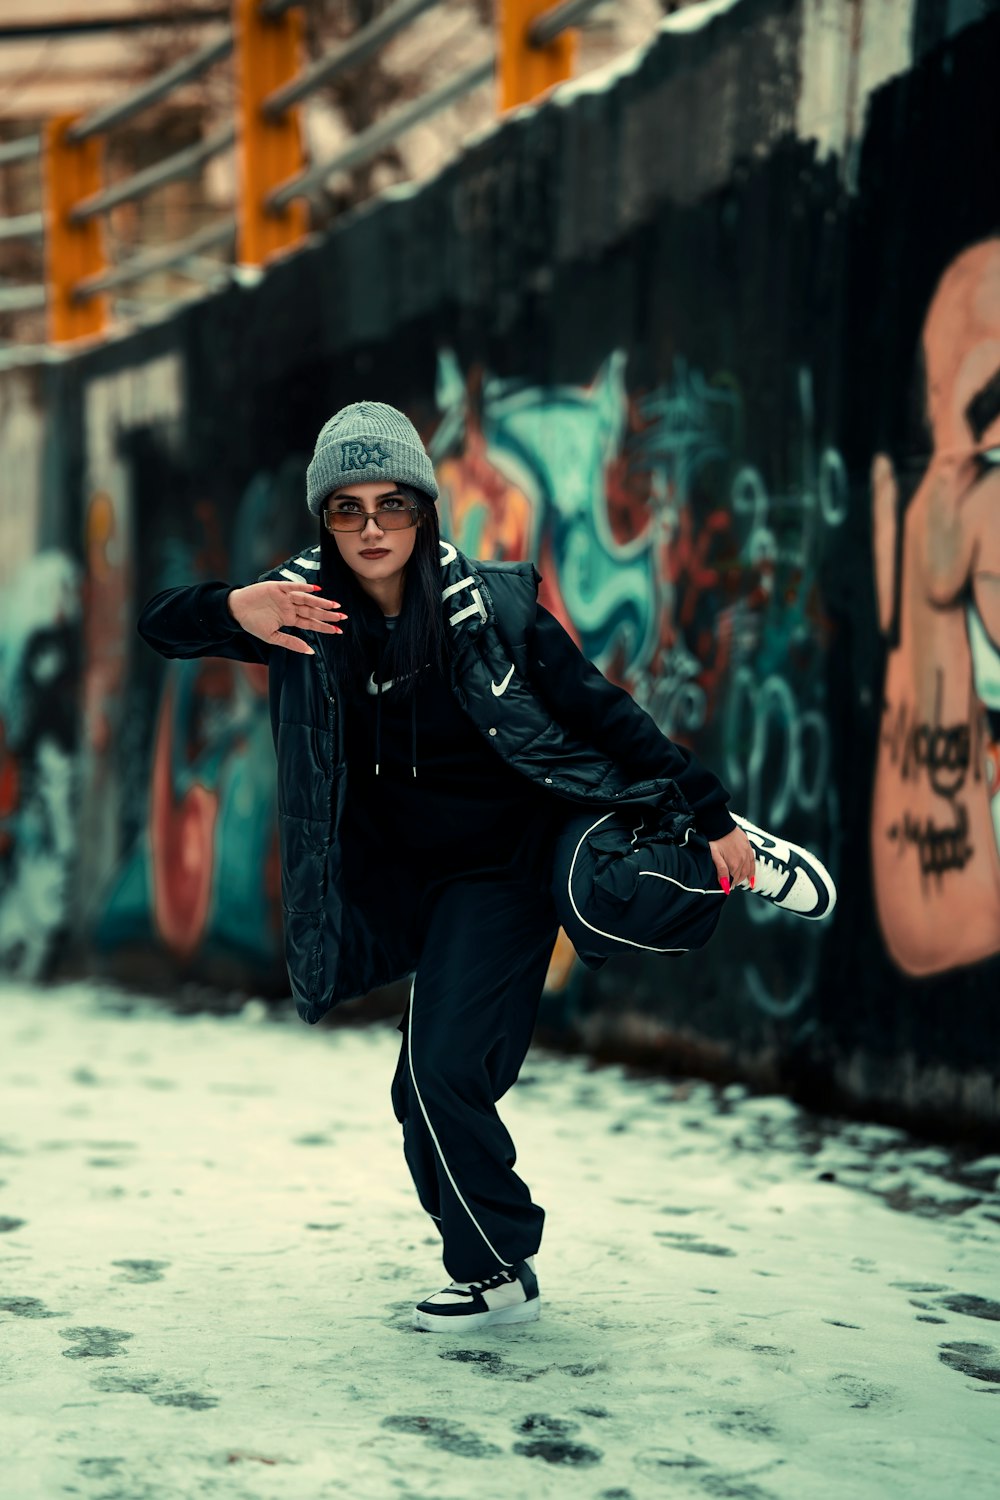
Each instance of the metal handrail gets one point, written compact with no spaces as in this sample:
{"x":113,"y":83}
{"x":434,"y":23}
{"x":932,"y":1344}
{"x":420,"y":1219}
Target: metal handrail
{"x":24,"y":31}
{"x":181,"y":164}
{"x":21,"y":149}
{"x":557,"y":20}
{"x":151,"y":91}
{"x":22,"y":298}
{"x":561,"y":18}
{"x":22,"y":227}
{"x":152,"y":261}
{"x":371,"y":141}
{"x":400,"y":14}
{"x":354,"y":50}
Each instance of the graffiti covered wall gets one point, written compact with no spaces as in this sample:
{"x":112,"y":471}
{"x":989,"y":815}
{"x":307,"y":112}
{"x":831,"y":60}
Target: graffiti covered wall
{"x":692,"y":342}
{"x":40,"y":662}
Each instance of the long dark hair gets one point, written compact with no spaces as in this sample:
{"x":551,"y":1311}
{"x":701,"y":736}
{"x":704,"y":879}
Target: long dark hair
{"x":418,"y":637}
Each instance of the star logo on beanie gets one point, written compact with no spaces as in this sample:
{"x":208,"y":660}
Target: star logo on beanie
{"x":368,"y":440}
{"x":359,"y":455}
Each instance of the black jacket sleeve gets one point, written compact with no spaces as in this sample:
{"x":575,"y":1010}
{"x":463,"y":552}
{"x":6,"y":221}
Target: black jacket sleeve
{"x":581,"y":697}
{"x":194,"y":621}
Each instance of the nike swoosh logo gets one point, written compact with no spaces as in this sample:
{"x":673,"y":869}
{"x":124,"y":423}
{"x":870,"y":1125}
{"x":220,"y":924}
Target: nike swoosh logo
{"x":372,"y":685}
{"x":763,"y":842}
{"x":502,"y":688}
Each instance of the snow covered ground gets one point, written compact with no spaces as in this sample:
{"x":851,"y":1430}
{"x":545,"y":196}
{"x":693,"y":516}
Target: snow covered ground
{"x":210,"y":1249}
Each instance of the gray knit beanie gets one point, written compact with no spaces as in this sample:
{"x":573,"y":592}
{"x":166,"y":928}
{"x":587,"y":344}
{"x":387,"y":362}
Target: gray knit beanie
{"x":368,"y":440}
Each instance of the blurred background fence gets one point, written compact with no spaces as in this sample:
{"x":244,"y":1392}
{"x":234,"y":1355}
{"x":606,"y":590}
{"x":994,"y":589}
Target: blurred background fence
{"x":712,"y":333}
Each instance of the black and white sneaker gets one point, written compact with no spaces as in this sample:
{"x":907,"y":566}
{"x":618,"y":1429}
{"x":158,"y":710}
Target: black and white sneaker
{"x":789,"y":876}
{"x":509,"y":1296}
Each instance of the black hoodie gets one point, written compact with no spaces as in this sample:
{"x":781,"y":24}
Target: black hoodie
{"x":426,"y":793}
{"x":421,"y":776}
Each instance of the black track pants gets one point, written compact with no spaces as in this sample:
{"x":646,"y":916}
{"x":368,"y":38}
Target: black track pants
{"x":619,"y":887}
{"x":472,"y":1009}
{"x":474,"y":1001}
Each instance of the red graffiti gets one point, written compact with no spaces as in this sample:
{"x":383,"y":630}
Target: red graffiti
{"x":10,"y":790}
{"x":182,"y":844}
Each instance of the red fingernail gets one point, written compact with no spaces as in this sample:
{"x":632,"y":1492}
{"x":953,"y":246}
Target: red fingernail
{"x":724,"y":882}
{"x":315,"y":586}
{"x":751,"y":882}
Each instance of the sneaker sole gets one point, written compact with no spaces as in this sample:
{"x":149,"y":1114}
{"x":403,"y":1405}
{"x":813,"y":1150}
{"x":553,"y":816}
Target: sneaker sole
{"x":815,"y":864}
{"x":523,"y":1312}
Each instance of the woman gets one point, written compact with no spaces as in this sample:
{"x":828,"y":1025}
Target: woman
{"x":455,"y":781}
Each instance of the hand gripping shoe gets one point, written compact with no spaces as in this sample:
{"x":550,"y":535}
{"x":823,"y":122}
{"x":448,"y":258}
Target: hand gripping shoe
{"x":509,"y":1296}
{"x":788,"y":876}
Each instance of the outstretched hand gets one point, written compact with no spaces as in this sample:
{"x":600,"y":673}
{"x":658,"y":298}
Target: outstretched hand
{"x":267,"y":609}
{"x":733,"y":859}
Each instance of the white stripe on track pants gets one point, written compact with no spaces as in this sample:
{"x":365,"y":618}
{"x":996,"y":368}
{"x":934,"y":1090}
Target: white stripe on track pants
{"x":474,"y":1001}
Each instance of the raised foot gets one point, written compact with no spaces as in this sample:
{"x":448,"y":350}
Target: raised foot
{"x":790,"y":877}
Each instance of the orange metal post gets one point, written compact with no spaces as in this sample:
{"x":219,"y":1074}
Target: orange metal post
{"x":72,"y":251}
{"x":268,"y":54}
{"x":526,"y":71}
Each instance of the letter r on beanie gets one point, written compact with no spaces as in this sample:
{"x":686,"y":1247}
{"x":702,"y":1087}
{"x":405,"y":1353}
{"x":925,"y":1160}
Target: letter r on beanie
{"x":368,"y":440}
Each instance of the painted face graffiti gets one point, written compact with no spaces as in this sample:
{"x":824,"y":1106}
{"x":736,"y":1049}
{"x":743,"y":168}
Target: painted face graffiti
{"x":935,"y":825}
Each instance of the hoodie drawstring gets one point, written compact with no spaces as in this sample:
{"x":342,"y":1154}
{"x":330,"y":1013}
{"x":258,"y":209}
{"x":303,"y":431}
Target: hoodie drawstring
{"x":413,"y":728}
{"x":378,"y":709}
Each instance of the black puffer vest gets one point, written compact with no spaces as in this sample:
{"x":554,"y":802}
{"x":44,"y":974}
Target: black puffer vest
{"x":331,"y":949}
